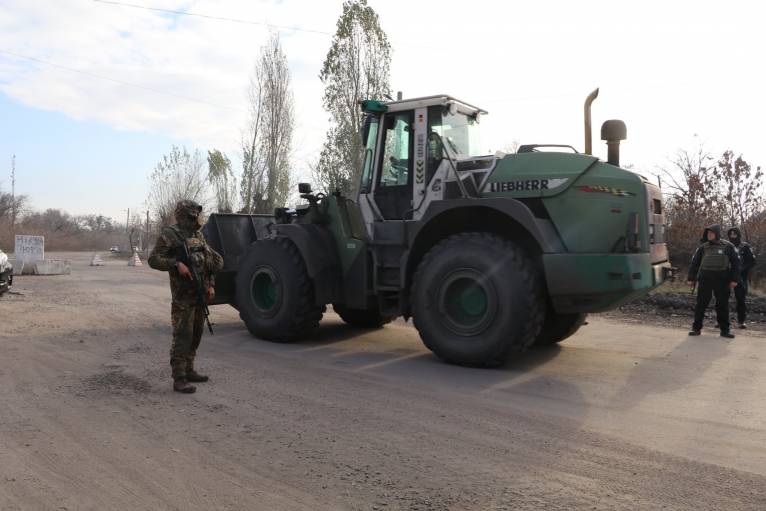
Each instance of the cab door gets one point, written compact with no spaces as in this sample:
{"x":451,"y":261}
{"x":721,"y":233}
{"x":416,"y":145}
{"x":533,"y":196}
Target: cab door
{"x":393,"y":183}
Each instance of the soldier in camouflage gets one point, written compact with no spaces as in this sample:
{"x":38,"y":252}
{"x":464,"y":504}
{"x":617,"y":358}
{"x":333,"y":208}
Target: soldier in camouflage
{"x":715,"y":269}
{"x":186,"y":316}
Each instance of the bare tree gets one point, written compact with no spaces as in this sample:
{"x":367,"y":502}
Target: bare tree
{"x":691,"y":199}
{"x":702,"y":191}
{"x":180,"y":175}
{"x":10,"y":206}
{"x":742,"y":197}
{"x":63,"y":231}
{"x":252,"y":182}
{"x":356,"y":67}
{"x":137,"y":233}
{"x":267,"y":143}
{"x":223,"y":181}
{"x":692,"y":182}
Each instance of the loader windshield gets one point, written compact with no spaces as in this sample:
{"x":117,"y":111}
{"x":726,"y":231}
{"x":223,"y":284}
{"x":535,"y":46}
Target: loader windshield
{"x":459,"y":131}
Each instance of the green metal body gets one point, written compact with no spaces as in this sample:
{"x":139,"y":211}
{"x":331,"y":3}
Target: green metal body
{"x":596,"y":230}
{"x":589,"y":208}
{"x":588,"y":222}
{"x":589,"y":211}
{"x":350,"y":239}
{"x":489,"y":255}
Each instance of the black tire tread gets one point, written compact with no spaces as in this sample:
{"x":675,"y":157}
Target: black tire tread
{"x":532,"y":285}
{"x":549,"y":336}
{"x":308,"y":315}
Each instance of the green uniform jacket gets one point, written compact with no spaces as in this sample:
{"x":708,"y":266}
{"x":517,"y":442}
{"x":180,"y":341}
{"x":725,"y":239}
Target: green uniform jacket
{"x":206,"y":260}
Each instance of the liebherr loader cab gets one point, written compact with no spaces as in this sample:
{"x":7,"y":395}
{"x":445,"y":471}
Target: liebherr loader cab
{"x":488,"y":254}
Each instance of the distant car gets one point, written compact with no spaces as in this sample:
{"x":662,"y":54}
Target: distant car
{"x":6,"y":273}
{"x":114,"y":248}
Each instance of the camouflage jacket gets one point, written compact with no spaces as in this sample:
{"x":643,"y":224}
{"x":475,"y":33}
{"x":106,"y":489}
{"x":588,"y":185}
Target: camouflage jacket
{"x":206,"y":260}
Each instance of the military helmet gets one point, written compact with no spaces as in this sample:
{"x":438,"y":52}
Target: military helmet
{"x":187,"y":209}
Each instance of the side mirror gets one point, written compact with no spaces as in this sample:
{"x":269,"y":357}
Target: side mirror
{"x":304,"y":188}
{"x":452,"y":108}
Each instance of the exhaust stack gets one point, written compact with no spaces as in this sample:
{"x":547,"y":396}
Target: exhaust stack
{"x":588,"y":135}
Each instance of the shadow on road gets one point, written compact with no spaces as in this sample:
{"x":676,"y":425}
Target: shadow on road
{"x":369,"y":348}
{"x":396,"y":352}
{"x":676,"y":370}
{"x":329,"y":333}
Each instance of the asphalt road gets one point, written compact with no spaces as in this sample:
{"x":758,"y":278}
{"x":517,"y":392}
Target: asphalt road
{"x":621,"y":416}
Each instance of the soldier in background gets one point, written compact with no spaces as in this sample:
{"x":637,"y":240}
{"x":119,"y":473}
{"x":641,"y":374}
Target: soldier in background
{"x":715,"y":269}
{"x":186,"y":316}
{"x":747,"y":261}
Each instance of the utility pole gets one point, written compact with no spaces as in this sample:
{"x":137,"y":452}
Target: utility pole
{"x":13,"y":195}
{"x":147,"y":233}
{"x":127,"y":222}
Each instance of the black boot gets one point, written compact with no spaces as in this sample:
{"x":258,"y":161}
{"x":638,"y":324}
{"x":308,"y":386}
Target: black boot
{"x":694,"y":332}
{"x":182,"y":385}
{"x":727,"y":334}
{"x":194,"y":376}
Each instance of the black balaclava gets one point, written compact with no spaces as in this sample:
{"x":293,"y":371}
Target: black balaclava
{"x":737,"y":239}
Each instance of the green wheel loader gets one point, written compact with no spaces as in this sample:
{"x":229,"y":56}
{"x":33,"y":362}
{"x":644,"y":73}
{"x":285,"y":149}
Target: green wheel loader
{"x":487,"y":254}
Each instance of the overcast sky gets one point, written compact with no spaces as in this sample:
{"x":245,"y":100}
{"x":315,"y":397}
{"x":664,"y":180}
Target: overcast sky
{"x":676,"y":72}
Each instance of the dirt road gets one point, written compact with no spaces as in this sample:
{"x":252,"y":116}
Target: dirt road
{"x":620,"y":417}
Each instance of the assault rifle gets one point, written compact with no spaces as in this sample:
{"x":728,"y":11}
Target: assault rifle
{"x":182,"y":255}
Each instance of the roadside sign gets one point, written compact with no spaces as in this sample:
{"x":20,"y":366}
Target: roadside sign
{"x":29,"y":249}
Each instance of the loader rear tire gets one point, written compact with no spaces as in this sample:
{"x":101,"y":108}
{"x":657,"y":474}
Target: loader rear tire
{"x":274,"y":293}
{"x":361,"y":317}
{"x":558,"y":327}
{"x":477,"y":300}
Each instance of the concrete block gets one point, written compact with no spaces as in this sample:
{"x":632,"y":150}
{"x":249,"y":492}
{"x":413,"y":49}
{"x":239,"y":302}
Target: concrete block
{"x":53,"y":267}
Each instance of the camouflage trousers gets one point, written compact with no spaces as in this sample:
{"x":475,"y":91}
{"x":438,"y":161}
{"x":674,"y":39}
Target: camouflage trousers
{"x":188,"y":321}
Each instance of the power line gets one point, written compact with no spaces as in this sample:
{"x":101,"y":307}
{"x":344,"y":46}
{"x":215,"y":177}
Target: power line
{"x":219,"y":18}
{"x":114,"y":80}
{"x":249,"y":22}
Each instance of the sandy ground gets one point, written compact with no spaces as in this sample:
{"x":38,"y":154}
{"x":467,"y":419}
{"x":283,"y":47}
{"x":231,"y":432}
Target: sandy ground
{"x":621,"y":416}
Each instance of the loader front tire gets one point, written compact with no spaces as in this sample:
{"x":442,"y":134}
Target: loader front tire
{"x":477,"y":299}
{"x":274,"y":293}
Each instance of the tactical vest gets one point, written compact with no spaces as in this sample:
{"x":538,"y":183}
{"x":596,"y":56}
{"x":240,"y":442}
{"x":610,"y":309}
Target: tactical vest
{"x":195,"y":245}
{"x":714,"y":257}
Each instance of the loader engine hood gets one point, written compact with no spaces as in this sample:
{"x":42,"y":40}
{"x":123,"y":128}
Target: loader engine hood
{"x":595,"y":206}
{"x":536,"y":174}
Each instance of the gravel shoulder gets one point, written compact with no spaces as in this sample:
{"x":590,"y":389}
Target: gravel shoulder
{"x":622,"y":416}
{"x":675,"y":309}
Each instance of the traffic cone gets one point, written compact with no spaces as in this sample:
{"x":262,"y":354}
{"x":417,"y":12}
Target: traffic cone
{"x":135,"y":260}
{"x":96,"y":260}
